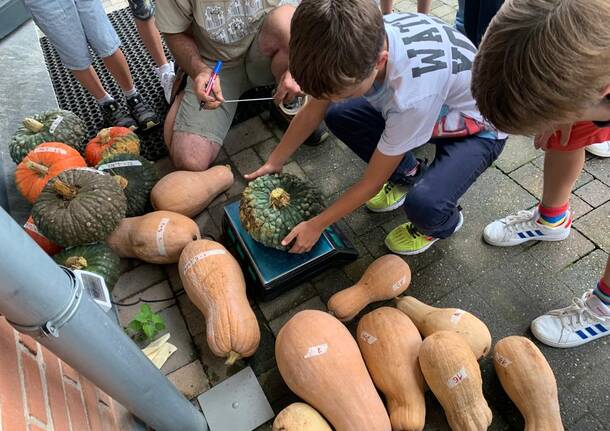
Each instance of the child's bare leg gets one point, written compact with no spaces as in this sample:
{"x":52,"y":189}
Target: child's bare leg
{"x":152,"y":40}
{"x":423,"y":6}
{"x":386,"y":6}
{"x":117,"y":65}
{"x":561,"y":170}
{"x":89,"y":79}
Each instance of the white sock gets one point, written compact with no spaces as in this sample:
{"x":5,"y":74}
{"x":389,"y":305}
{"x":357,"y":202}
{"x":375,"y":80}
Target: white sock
{"x":130,"y":93}
{"x":107,"y":98}
{"x":165,"y":68}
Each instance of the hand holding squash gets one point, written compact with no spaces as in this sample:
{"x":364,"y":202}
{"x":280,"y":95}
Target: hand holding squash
{"x":430,"y":320}
{"x":390,"y":345}
{"x":320,"y":362}
{"x":385,"y":278}
{"x":529,"y":381}
{"x":300,"y":417}
{"x":453,"y":374}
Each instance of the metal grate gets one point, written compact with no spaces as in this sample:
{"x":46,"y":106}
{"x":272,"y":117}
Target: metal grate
{"x":72,"y":96}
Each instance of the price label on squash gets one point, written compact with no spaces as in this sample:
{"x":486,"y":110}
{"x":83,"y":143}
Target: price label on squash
{"x":501,"y":360}
{"x":55,"y":124}
{"x":456,"y":316}
{"x":55,"y":150}
{"x":368,"y":337}
{"x":318,"y":350}
{"x":399,"y":283}
{"x":31,"y":227}
{"x":457,"y":378}
{"x":91,"y":170}
{"x":200,"y":256}
{"x":160,"y":236}
{"x":119,"y":164}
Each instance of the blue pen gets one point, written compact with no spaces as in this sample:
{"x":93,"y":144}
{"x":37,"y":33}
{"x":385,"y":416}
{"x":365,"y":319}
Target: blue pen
{"x":208,"y":87}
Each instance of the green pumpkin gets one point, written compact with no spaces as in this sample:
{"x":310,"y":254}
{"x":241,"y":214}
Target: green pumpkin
{"x":50,"y":126}
{"x":97,"y":258}
{"x":136,"y":175}
{"x":272,"y":205}
{"x":79,"y":206}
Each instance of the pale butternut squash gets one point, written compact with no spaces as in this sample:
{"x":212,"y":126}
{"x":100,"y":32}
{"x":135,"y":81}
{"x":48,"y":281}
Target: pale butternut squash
{"x":529,"y":381}
{"x":215,"y":284}
{"x":320,"y":362}
{"x":189,"y":193}
{"x":300,"y":417}
{"x":430,"y":319}
{"x":453,"y":374}
{"x":385,"y":278}
{"x":390,"y":345}
{"x":156,"y":237}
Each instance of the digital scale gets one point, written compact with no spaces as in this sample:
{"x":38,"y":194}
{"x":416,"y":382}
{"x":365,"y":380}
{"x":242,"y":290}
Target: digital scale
{"x":268,"y":271}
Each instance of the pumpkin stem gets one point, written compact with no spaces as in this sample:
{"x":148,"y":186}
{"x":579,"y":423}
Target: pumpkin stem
{"x":123,"y":182}
{"x":76,"y":262}
{"x":65,"y":190}
{"x":33,"y":125}
{"x":40,"y":169}
{"x":232,"y":358}
{"x":279,"y":198}
{"x":104,"y":135}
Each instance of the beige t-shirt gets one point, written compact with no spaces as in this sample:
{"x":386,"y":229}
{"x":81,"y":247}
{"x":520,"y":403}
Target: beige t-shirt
{"x":222,"y":29}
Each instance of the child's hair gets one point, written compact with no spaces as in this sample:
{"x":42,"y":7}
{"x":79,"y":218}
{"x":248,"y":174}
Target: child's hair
{"x":541,"y":62}
{"x":334,"y":44}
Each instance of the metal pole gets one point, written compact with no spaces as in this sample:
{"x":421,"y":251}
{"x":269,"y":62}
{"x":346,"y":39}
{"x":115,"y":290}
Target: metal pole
{"x":35,"y":291}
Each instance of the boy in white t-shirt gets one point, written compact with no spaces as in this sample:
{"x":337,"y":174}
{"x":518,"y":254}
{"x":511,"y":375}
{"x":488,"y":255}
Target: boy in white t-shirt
{"x":386,"y":88}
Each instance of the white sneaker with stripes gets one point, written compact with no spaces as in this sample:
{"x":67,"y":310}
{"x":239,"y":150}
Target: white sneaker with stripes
{"x":587,"y":319}
{"x":522,"y":227}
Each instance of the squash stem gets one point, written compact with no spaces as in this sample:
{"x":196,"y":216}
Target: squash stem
{"x":65,"y":190}
{"x":40,"y":169}
{"x":76,"y":262}
{"x":232,"y":358}
{"x":123,"y":182}
{"x":104,"y":135}
{"x":279,"y":198}
{"x":33,"y":125}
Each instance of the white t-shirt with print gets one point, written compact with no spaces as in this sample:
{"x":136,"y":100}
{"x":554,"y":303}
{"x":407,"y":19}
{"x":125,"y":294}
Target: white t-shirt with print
{"x":426,"y":90}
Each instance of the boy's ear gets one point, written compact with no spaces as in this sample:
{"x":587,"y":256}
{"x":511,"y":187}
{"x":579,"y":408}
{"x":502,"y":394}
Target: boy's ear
{"x":382,"y":59}
{"x":606,"y":91}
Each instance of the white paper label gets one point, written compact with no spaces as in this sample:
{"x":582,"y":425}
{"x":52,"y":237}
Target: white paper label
{"x":160,"y":240}
{"x":31,"y":227}
{"x":50,"y":150}
{"x":91,"y":170}
{"x":55,"y":124}
{"x":120,"y":164}
{"x":193,"y":260}
{"x":457,"y":378}
{"x":501,"y":360}
{"x":318,"y":350}
{"x":368,"y":337}
{"x":456,"y":316}
{"x":399,"y":283}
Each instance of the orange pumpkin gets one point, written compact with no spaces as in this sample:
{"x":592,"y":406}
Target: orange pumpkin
{"x":43,"y":163}
{"x":45,"y":243}
{"x":110,"y":141}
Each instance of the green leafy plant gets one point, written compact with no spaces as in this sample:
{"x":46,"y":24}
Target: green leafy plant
{"x":146,"y":324}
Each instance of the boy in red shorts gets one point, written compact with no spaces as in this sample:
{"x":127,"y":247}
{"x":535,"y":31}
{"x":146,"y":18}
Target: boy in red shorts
{"x":559,"y":90}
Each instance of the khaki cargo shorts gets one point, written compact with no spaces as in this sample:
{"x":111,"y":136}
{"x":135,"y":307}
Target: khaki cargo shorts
{"x":253,"y":71}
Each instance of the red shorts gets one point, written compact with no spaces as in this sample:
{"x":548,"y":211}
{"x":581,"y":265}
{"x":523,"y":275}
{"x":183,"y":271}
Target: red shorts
{"x":583,"y":133}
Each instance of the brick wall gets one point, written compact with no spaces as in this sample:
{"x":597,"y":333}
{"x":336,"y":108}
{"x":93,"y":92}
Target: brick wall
{"x":38,"y":392}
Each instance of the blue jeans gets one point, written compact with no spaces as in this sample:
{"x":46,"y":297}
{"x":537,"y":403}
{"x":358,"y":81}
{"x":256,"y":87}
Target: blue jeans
{"x":477,"y":16}
{"x":459,"y":17}
{"x":431,"y":204}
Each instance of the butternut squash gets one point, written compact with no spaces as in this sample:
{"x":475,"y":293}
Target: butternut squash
{"x":300,"y":417}
{"x":385,"y":278}
{"x":529,"y":381}
{"x":156,"y":237}
{"x":320,"y":362}
{"x":430,"y":319}
{"x":453,"y":374}
{"x":189,"y":193}
{"x":390,"y":345}
{"x":215,"y":284}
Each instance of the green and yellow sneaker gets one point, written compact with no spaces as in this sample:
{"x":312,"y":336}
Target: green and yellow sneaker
{"x":407,"y":240}
{"x":390,"y":197}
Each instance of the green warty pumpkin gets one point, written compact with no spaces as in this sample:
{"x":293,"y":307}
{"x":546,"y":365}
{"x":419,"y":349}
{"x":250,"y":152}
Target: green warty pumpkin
{"x":97,"y":258}
{"x":272,"y":205}
{"x":50,"y":126}
{"x":79,"y":206}
{"x":136,"y":176}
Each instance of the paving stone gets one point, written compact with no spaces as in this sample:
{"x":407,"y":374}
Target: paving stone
{"x":594,"y":193}
{"x":599,"y":168}
{"x":246,"y":161}
{"x":265,"y":148}
{"x":186,"y":306}
{"x":362,"y":220}
{"x":137,"y":280}
{"x":530,"y":178}
{"x":578,"y":207}
{"x":338,"y":180}
{"x":273,"y":385}
{"x":157,"y":291}
{"x":588,"y":423}
{"x":207,"y":227}
{"x":245,"y":135}
{"x":264,"y":358}
{"x":214,"y":366}
{"x":287,"y":301}
{"x":330,"y":282}
{"x":518,"y":151}
{"x":127,"y":265}
{"x":190,"y":380}
{"x":596,"y":225}
{"x":173,"y":276}
{"x":312,"y":304}
{"x":320,"y":160}
{"x":435,"y":281}
{"x":442,"y":10}
{"x":556,"y":256}
{"x":266,"y":426}
{"x":355,"y":269}
{"x":571,"y":405}
{"x":180,"y":338}
{"x":586,"y":272}
{"x":294,"y":169}
{"x":594,"y":386}
{"x":195,"y":323}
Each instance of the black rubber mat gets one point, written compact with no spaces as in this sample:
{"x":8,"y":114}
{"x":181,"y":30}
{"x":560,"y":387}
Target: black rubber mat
{"x":72,"y":96}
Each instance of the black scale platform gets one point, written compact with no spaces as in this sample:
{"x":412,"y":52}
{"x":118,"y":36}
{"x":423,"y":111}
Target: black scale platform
{"x":73,"y":97}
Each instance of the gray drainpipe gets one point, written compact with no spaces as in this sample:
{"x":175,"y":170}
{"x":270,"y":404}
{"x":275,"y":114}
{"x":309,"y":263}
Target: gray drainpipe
{"x":36,"y":293}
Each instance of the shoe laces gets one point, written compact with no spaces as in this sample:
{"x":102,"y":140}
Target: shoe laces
{"x":577,"y":314}
{"x":413,"y":231}
{"x":137,"y":105}
{"x":388,"y":187}
{"x":519,"y":221}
